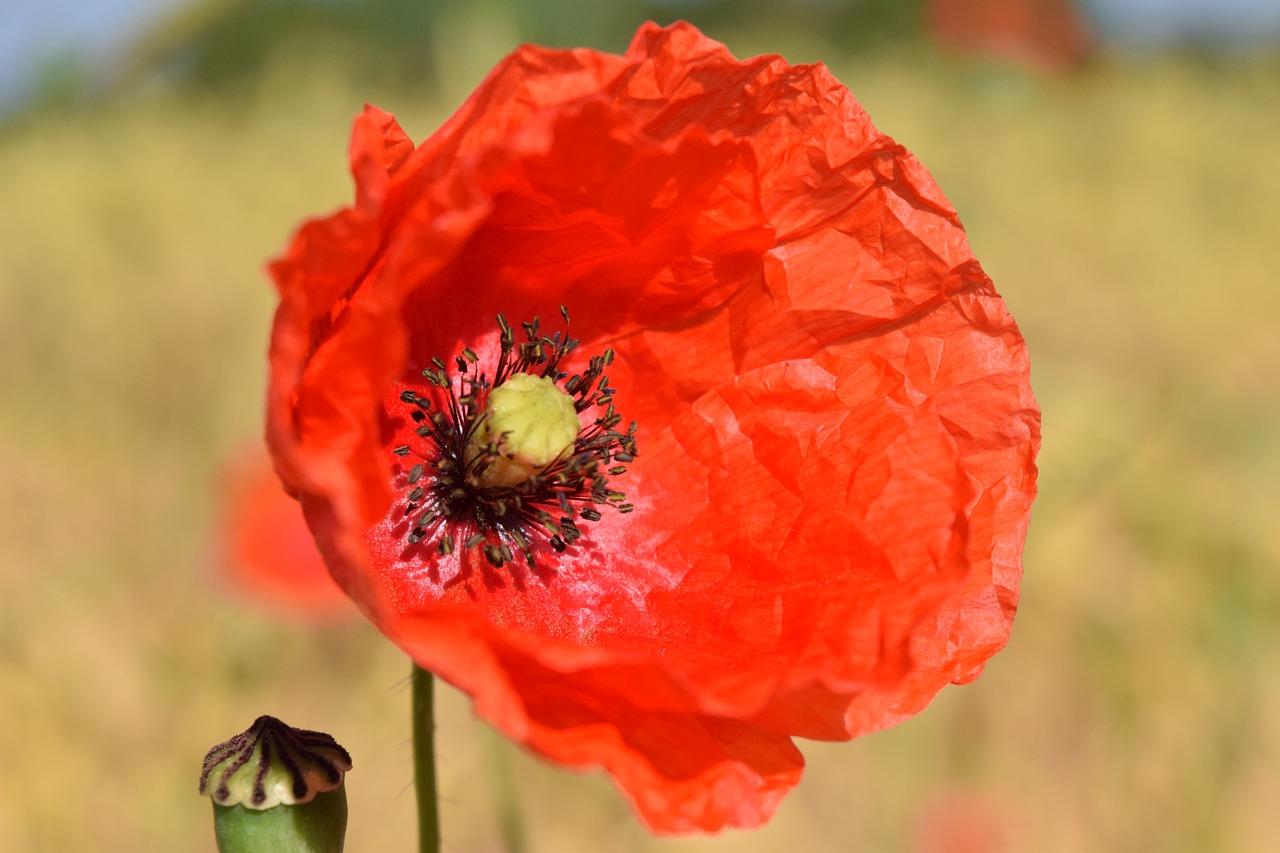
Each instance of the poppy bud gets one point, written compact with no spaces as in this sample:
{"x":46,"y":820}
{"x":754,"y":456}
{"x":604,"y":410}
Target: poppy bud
{"x":277,"y":788}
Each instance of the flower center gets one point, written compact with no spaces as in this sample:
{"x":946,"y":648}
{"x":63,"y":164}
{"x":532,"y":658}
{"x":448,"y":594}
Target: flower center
{"x":532,"y":422}
{"x":505,"y":462}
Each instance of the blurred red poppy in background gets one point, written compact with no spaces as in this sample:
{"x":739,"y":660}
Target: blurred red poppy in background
{"x":1048,"y":35}
{"x":264,"y":547}
{"x":959,"y":821}
{"x":830,"y":483}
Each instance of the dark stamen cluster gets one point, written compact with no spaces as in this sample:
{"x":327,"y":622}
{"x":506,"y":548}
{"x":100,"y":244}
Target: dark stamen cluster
{"x":447,"y":500}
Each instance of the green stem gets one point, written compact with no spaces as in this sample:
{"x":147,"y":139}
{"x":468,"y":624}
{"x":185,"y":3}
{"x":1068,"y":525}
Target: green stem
{"x":424,"y":761}
{"x":506,"y":802}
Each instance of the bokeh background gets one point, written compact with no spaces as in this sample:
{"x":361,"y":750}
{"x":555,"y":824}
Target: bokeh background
{"x":1118,"y":169}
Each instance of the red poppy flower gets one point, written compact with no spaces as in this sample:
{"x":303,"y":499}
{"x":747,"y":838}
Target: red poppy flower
{"x":833,"y":467}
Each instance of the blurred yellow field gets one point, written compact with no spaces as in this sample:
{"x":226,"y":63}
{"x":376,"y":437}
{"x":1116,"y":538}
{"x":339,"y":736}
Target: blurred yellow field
{"x":1126,"y":214}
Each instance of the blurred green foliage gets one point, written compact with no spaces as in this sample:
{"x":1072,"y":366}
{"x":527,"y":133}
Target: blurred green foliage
{"x":221,"y":43}
{"x":225,"y":45}
{"x":1126,"y":213}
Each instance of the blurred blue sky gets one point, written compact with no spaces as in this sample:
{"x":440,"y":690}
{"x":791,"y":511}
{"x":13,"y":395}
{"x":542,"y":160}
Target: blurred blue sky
{"x":35,"y":33}
{"x":1163,"y":20}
